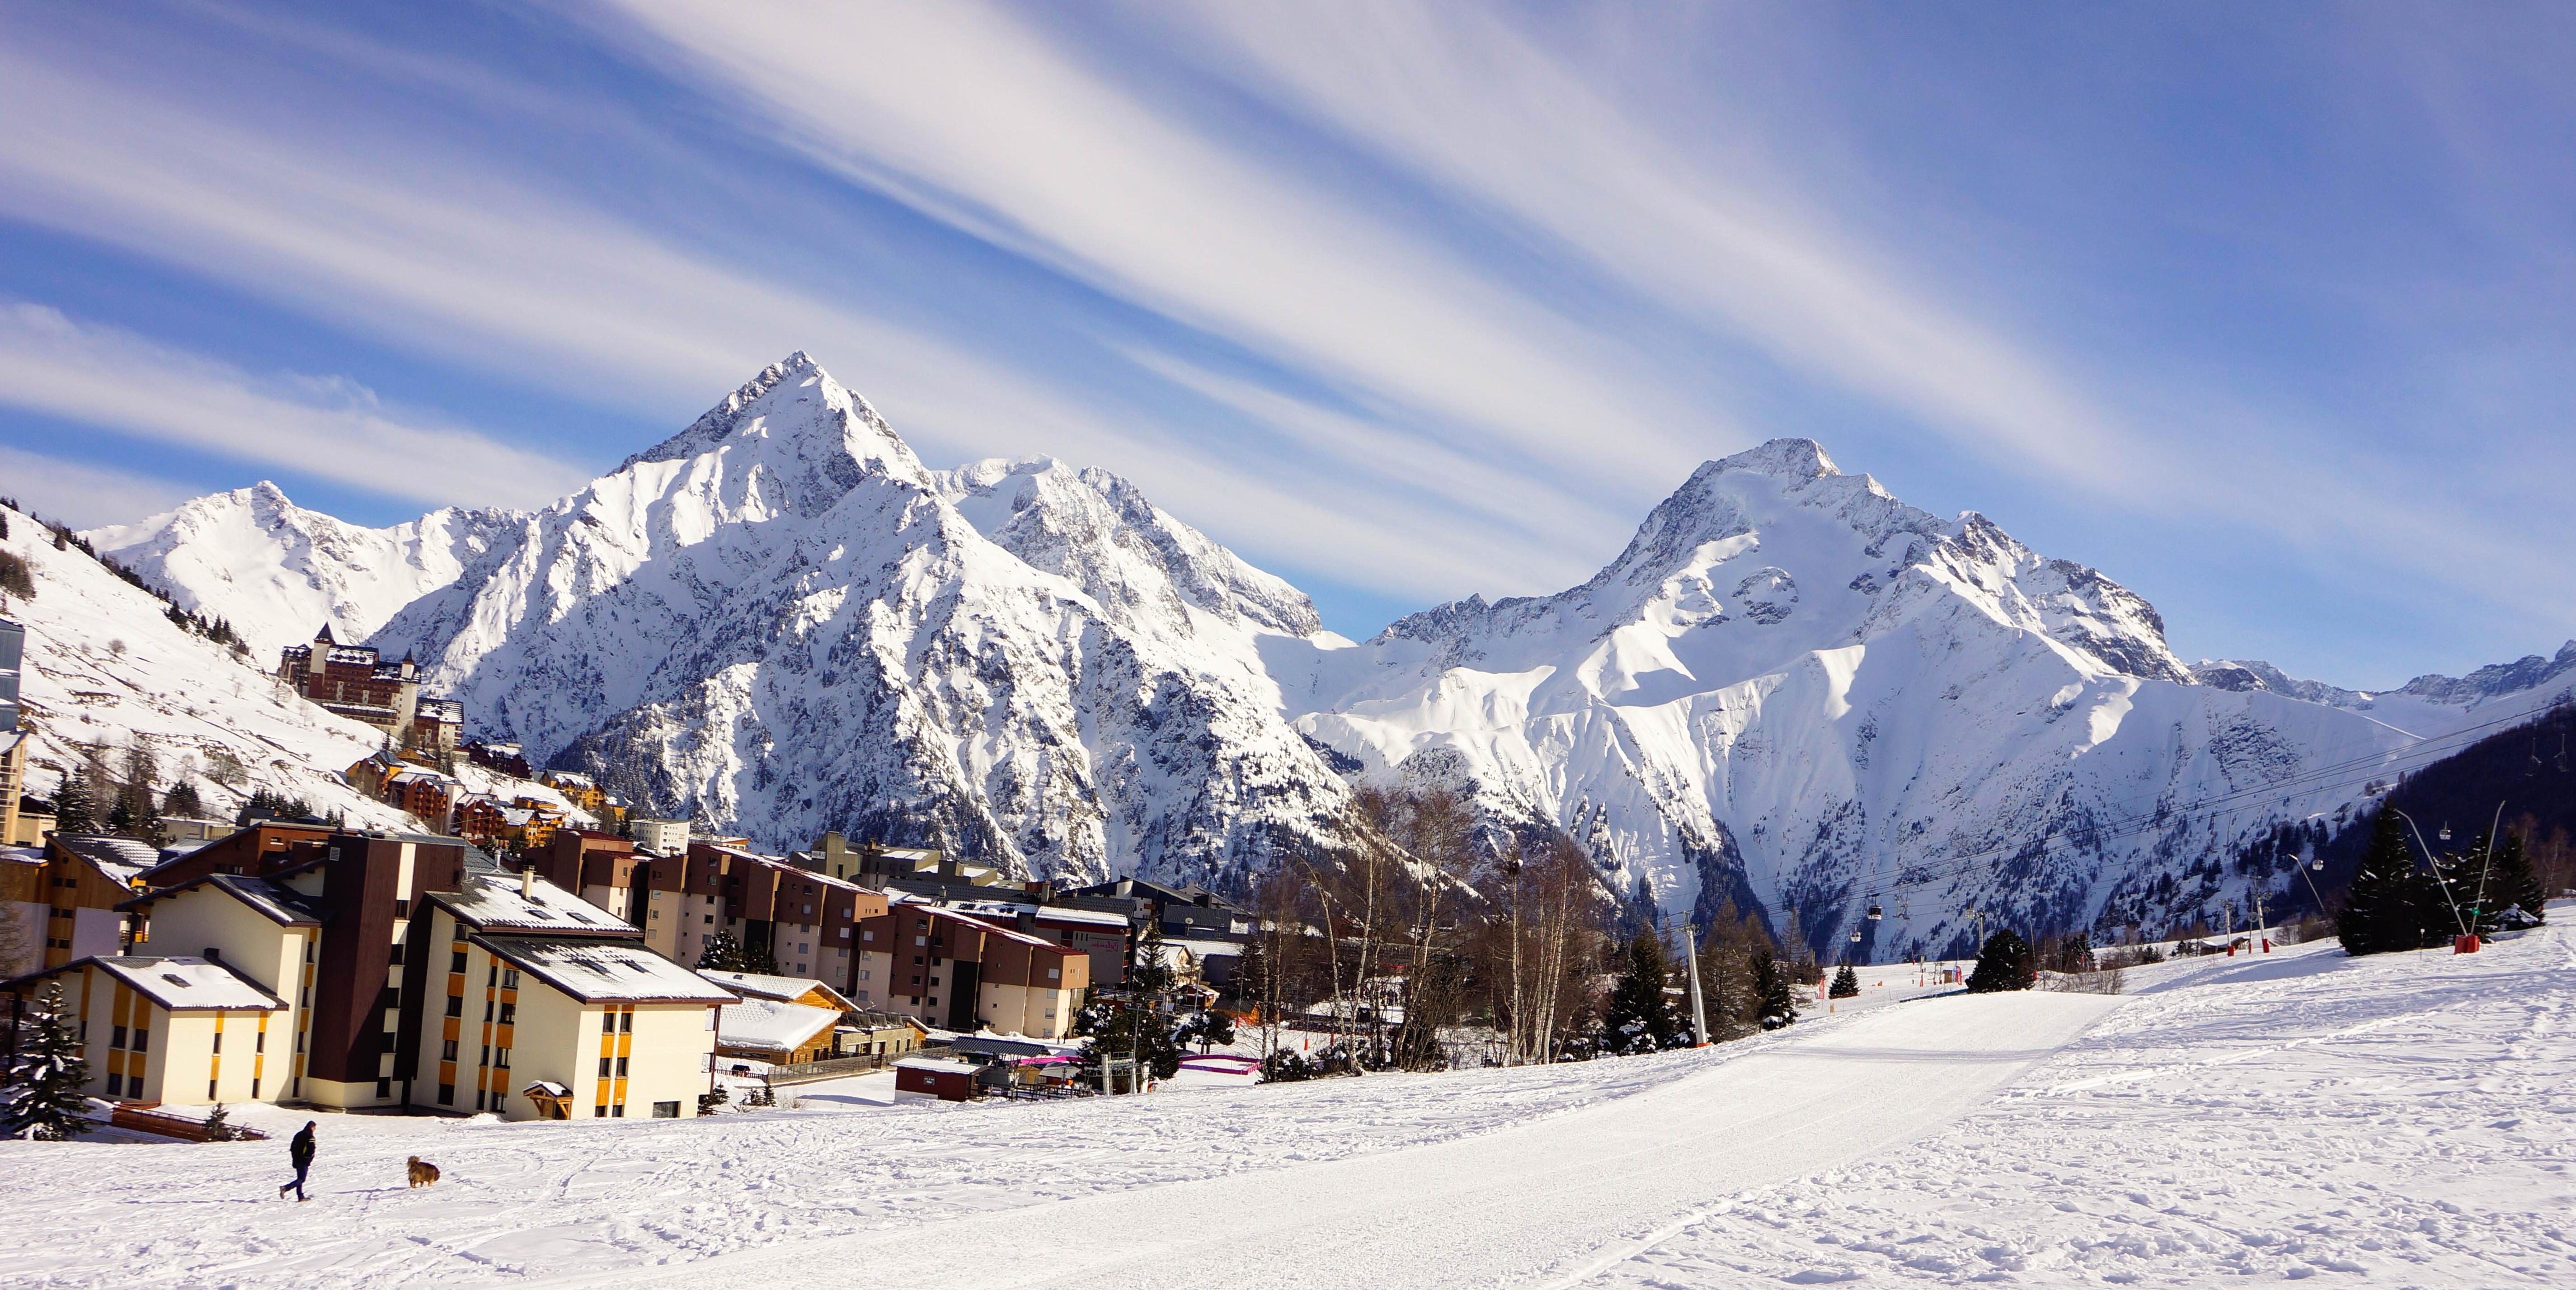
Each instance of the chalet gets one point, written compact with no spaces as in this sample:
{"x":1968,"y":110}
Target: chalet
{"x":774,"y":1031}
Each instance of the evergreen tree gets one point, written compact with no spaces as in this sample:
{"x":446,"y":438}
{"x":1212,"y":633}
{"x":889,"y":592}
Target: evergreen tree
{"x":722,"y":954}
{"x":76,"y":804}
{"x":1639,"y":1018}
{"x":1846,"y":983}
{"x":1252,"y":974}
{"x":44,"y":1099}
{"x":2382,"y":910}
{"x":1206,"y":1028}
{"x":2004,"y":963}
{"x":1775,"y":997}
{"x":1149,"y":970}
{"x":2514,"y":886}
{"x":182,"y":801}
{"x":120,"y":817}
{"x":219,"y":1125}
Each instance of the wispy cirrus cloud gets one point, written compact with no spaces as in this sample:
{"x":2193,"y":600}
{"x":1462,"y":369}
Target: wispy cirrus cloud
{"x":332,"y":428}
{"x":83,"y":494}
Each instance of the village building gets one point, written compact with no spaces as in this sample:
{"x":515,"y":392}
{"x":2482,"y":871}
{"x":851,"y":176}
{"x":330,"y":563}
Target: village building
{"x":958,"y":973}
{"x":661,"y":837}
{"x":81,"y":882}
{"x":541,"y":985}
{"x":776,"y":1032}
{"x":176,"y":1029}
{"x":22,"y":906}
{"x":353,"y":681}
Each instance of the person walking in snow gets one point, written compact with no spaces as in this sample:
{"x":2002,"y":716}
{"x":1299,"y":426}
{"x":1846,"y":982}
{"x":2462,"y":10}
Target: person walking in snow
{"x":300,"y":1152}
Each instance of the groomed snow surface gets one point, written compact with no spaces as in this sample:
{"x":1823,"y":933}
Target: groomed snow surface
{"x":2401,"y":1120}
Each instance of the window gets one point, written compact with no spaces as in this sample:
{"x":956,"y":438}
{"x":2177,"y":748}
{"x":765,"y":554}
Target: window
{"x":510,"y":979}
{"x":456,"y":961}
{"x":210,"y":1090}
{"x":308,"y":949}
{"x":447,"y":1095}
{"x":618,"y":1111}
{"x":402,"y":909}
{"x":509,"y":1013}
{"x":384,"y":1088}
{"x":845,"y":933}
{"x":666,"y":1110}
{"x":1053,"y":973}
{"x":626,"y":1021}
{"x":117,"y":1041}
{"x":447,"y":1051}
{"x":259,"y":1042}
{"x":491,"y":974}
{"x":115,"y":1084}
{"x":921,"y":940}
{"x":803,"y":947}
{"x":863,"y":935}
{"x":621,"y":1068}
{"x":604,"y":1064}
{"x":709,"y":919}
{"x":219,"y":1037}
{"x":456,"y":1005}
{"x":487,"y":1010}
{"x":501,"y":1057}
{"x":600,"y":1111}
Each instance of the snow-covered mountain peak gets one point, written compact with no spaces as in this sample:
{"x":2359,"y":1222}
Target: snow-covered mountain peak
{"x":1788,"y":458}
{"x":1135,"y":559}
{"x":277,"y":570}
{"x":791,"y":435}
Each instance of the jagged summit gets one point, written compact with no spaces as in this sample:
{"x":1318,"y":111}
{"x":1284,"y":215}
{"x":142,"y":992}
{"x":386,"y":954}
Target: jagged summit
{"x":1785,"y":458}
{"x":795,"y":420}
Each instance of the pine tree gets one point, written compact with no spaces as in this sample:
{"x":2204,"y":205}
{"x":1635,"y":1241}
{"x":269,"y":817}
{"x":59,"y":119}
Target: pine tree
{"x":1639,"y":1018}
{"x":44,"y":1098}
{"x":2004,"y":963}
{"x":1846,"y":983}
{"x":722,"y":954}
{"x":1775,"y":998}
{"x":182,"y":801}
{"x":76,"y":804}
{"x":1150,"y":971}
{"x":219,"y":1125}
{"x":2382,"y":910}
{"x":2514,"y":887}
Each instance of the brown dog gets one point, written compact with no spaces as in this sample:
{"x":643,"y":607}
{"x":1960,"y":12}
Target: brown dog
{"x":423,"y":1173}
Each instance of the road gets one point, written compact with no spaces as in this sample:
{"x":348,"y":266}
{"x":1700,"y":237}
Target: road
{"x":1548,"y":1203}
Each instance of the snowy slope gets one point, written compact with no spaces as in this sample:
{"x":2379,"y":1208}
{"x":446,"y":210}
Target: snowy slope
{"x":278,"y":571}
{"x":780,"y":619}
{"x":2399,"y":1119}
{"x":1794,"y":691}
{"x":105,"y":667}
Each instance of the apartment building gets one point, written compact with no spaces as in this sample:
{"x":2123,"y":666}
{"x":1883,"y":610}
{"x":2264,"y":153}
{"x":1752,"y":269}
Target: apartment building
{"x":81,"y":882}
{"x":545,"y":990}
{"x":170,"y":1029}
{"x":960,"y":973}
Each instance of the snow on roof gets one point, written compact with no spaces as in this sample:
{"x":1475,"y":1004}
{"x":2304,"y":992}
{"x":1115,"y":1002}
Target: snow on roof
{"x":492,"y":902}
{"x":605,"y":971}
{"x":22,"y":855}
{"x":1045,"y":913}
{"x":274,"y":901}
{"x":785,"y":988}
{"x":1200,"y":947}
{"x":118,"y":858}
{"x":547,"y":1087}
{"x":187,"y":984}
{"x":942,"y":1065}
{"x":990,"y":928}
{"x":770,"y":1025}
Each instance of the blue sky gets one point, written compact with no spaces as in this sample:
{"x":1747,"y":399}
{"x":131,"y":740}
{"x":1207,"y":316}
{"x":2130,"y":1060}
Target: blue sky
{"x":2263,"y":310}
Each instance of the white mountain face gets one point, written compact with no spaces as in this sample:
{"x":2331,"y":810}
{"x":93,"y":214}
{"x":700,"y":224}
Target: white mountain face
{"x":781,"y":619}
{"x":278,"y":571}
{"x":1798,"y":693}
{"x":105,"y":669}
{"x":1792,"y":690}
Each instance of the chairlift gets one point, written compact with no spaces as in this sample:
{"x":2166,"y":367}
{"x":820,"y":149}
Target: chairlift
{"x":1855,"y":935}
{"x":1875,"y":913}
{"x":2444,"y":833}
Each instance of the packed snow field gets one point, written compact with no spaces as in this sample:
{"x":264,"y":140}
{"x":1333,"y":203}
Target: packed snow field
{"x":2399,"y":1120}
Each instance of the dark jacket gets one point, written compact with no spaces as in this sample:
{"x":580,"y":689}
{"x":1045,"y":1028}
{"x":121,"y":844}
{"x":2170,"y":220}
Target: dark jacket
{"x":300,"y":1151}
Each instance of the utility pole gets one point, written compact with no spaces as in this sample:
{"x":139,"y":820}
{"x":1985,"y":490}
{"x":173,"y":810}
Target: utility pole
{"x":1699,"y":1007}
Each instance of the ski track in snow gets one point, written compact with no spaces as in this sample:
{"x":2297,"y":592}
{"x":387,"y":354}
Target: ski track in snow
{"x":2403,"y":1119}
